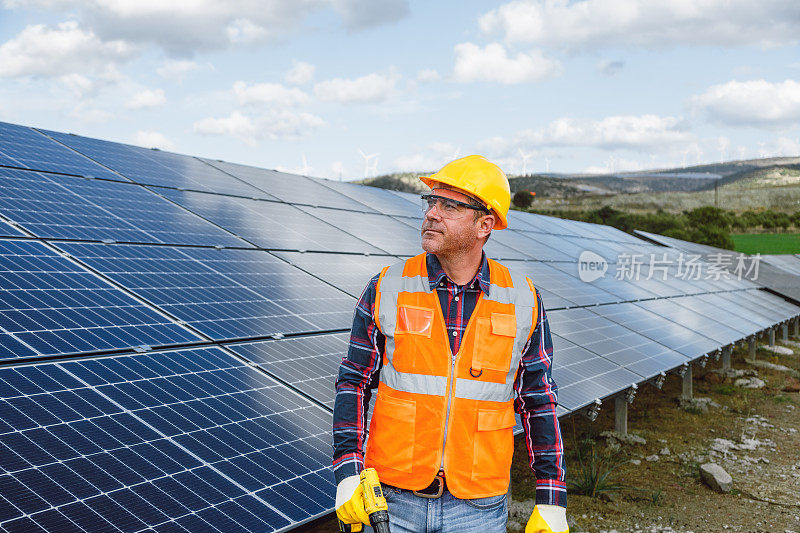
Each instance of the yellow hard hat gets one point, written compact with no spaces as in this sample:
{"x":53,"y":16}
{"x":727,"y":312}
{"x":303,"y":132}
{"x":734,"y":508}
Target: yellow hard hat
{"x":475,"y":175}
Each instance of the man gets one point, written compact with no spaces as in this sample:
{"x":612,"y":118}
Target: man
{"x":454,"y":342}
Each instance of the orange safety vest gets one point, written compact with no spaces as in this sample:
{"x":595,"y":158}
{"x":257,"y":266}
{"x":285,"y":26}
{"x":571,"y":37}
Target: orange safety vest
{"x":436,"y":409}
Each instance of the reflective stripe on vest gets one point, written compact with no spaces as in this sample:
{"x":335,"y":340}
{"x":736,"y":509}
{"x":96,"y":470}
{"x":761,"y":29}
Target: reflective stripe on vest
{"x":393,"y":283}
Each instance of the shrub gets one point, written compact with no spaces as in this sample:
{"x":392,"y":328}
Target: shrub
{"x":523,"y":199}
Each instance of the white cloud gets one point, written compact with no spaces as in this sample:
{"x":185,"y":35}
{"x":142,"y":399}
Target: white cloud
{"x":42,"y":51}
{"x":428,"y":158}
{"x":644,"y":133}
{"x":152,"y":139}
{"x":147,"y":99}
{"x":428,"y":75}
{"x":301,"y":73}
{"x":493,"y":64}
{"x":589,"y":24}
{"x":757,"y":103}
{"x":283,"y":124}
{"x":268,"y":93}
{"x":615,"y":164}
{"x":369,"y":88}
{"x":187,"y":26}
{"x":609,"y":67}
{"x":235,"y":125}
{"x":176,"y":69}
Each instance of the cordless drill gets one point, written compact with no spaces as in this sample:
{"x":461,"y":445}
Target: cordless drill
{"x":374,"y":504}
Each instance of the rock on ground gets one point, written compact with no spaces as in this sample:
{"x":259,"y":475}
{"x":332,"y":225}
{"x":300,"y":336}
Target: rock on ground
{"x":716,"y":477}
{"x":782,"y":350}
{"x":749,"y":383}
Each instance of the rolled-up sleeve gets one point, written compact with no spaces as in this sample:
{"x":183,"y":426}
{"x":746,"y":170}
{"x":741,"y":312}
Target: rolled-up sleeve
{"x":536,"y":400}
{"x":358,"y":375}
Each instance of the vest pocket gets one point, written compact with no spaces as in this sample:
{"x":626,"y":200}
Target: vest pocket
{"x":391,"y":442}
{"x":414,"y":320}
{"x":493,"y":346}
{"x":494,"y":443}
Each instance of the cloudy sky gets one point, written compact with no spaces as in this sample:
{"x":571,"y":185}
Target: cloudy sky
{"x":306,"y":85}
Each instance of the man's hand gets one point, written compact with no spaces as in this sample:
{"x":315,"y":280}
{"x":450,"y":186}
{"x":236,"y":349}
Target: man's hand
{"x":548,"y":519}
{"x":350,"y":502}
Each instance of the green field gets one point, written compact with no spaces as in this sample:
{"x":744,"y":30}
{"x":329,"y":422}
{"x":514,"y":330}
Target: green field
{"x":767,"y":243}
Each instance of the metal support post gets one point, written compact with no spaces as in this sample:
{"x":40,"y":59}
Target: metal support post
{"x":772,"y":336}
{"x":785,"y":331}
{"x":726,"y":357}
{"x":797,"y":326}
{"x":687,"y":383}
{"x":751,"y":347}
{"x":621,"y":415}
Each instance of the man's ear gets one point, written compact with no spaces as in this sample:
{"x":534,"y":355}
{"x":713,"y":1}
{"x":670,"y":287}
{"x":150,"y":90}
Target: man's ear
{"x":487,"y":223}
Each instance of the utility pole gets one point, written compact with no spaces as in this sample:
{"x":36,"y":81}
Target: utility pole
{"x":716,"y":193}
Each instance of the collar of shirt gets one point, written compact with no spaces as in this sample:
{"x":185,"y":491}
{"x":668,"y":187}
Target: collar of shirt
{"x":436,"y":273}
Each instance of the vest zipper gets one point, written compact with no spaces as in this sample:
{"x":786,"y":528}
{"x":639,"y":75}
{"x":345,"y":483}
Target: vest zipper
{"x":452,"y":378}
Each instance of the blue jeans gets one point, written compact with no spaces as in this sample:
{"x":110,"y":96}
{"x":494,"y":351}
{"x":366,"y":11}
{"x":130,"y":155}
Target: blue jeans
{"x":446,"y":514}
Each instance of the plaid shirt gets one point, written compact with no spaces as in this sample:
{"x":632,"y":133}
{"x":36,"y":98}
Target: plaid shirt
{"x":536,"y":392}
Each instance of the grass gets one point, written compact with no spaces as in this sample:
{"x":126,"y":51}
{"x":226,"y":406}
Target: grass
{"x":767,"y":243}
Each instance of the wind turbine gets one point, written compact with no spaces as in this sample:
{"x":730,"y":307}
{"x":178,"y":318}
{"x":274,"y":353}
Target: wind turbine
{"x":685,"y":154}
{"x":610,"y":164}
{"x":366,"y":161}
{"x":741,"y":153}
{"x":304,"y":171}
{"x":723,"y":146}
{"x":525,"y":158}
{"x":652,"y":161}
{"x":547,"y":164}
{"x":698,"y":152}
{"x":457,"y":153}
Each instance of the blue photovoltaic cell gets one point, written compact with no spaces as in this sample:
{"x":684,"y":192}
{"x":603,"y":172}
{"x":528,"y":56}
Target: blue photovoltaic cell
{"x":558,"y":289}
{"x":188,"y":440}
{"x":27,"y":148}
{"x":291,"y":187}
{"x":66,"y":207}
{"x":152,"y":167}
{"x":348,"y":272}
{"x":272,"y":225}
{"x":616,"y":343}
{"x":49,"y":305}
{"x":583,"y":376}
{"x":309,"y":364}
{"x":225,"y":294}
{"x":7,"y":230}
{"x":389,"y":234}
{"x":376,"y":199}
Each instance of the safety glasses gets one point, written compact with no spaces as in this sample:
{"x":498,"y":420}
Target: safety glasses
{"x":447,"y":207}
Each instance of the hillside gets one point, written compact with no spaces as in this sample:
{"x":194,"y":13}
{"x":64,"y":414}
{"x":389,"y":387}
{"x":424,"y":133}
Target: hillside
{"x":767,"y":183}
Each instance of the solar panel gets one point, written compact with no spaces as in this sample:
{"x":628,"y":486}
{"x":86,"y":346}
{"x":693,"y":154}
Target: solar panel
{"x":290,"y":187}
{"x":583,"y":376}
{"x":692,"y":320}
{"x":153,"y":167}
{"x":618,"y":344}
{"x":660,"y":329}
{"x":559,"y":289}
{"x":384,"y":232}
{"x":225,"y":294}
{"x":27,"y":148}
{"x":347,"y":272}
{"x":183,"y":440}
{"x":66,"y":207}
{"x":49,"y":306}
{"x":623,"y":290}
{"x":379,"y":200}
{"x":272,"y":225}
{"x":8,"y":230}
{"x":309,"y":364}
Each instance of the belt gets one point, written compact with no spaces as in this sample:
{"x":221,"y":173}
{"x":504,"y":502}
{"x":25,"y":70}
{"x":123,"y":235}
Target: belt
{"x":435,"y":489}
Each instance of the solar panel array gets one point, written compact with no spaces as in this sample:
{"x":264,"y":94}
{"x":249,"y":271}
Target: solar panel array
{"x":171,"y":328}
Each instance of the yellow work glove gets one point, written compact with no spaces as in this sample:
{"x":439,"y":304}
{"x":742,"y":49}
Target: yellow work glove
{"x":350,"y":502}
{"x":548,"y":519}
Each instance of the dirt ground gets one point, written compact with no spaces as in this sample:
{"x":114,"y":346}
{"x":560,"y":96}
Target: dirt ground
{"x":761,"y":432}
{"x":763,"y":425}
